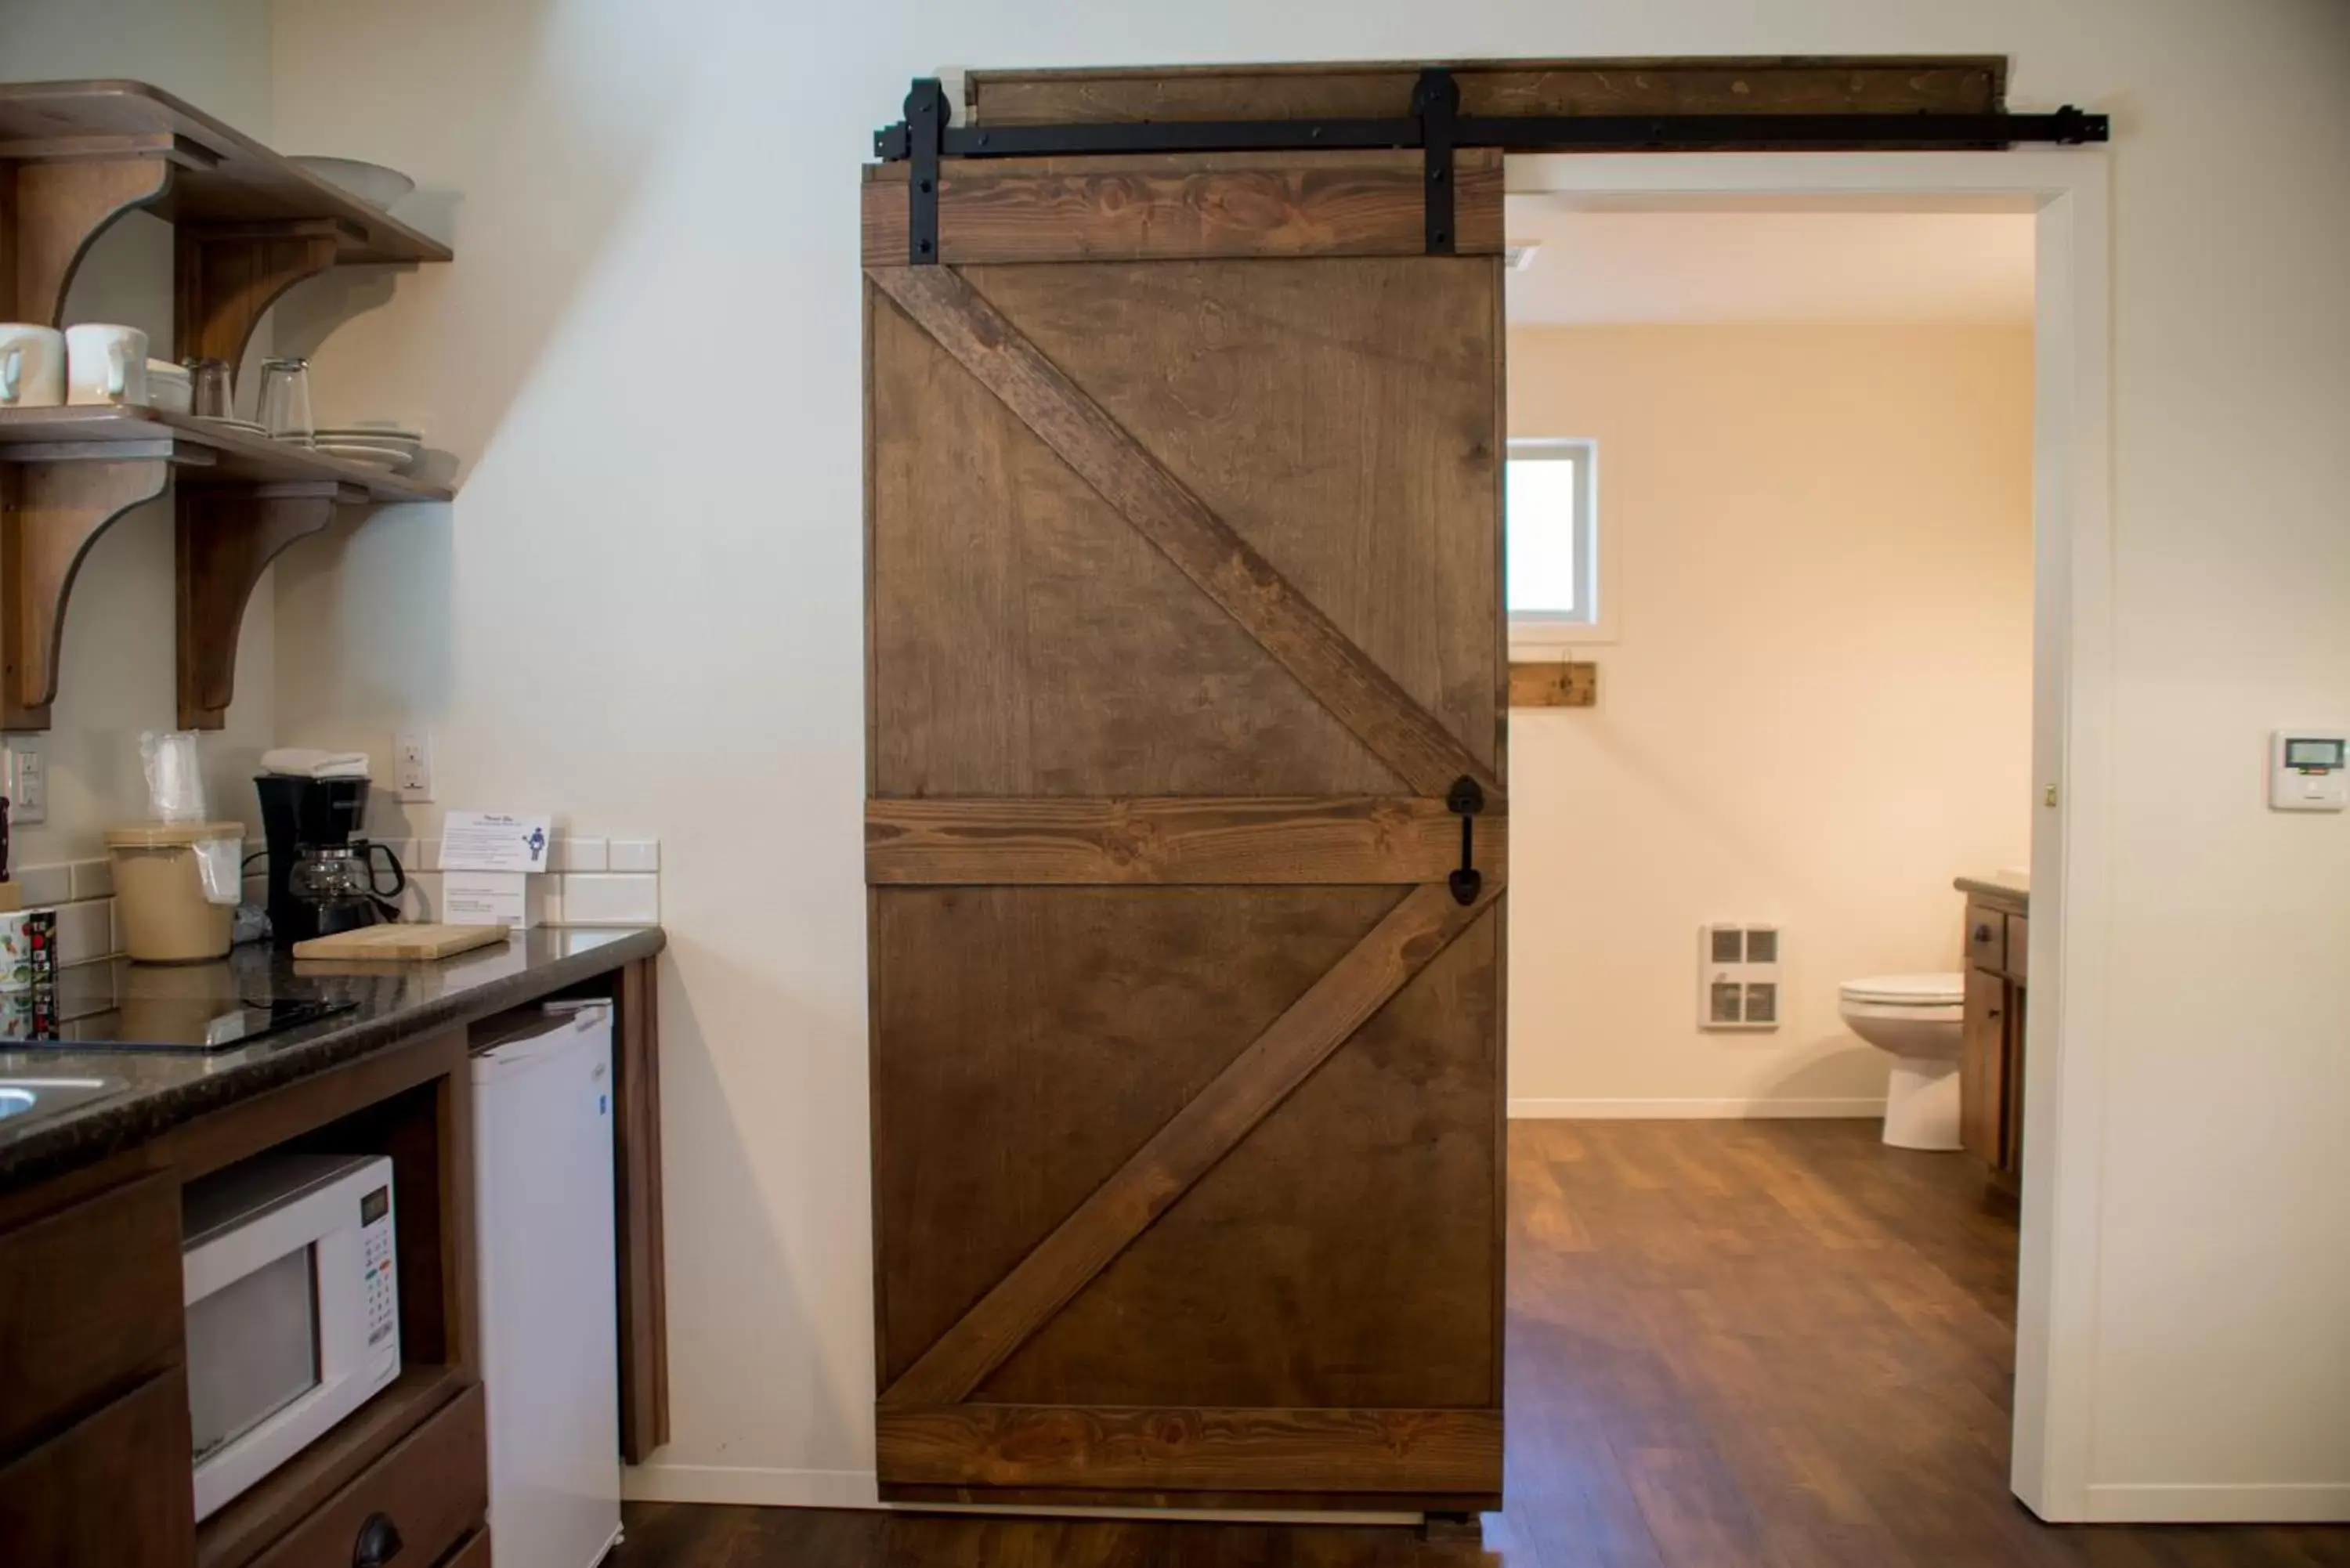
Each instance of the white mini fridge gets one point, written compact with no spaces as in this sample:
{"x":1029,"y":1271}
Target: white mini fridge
{"x":544,"y":1239}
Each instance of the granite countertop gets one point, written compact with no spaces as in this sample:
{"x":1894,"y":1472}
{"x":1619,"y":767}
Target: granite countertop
{"x":391,"y":1003}
{"x":2006,"y":886}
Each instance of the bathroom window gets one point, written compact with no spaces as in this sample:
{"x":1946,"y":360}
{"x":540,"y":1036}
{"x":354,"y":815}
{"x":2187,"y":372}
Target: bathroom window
{"x":1551,"y":540}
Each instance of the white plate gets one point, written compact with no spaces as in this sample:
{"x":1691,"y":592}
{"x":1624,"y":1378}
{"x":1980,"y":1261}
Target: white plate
{"x":373,"y":184}
{"x":391,"y":432}
{"x":379,"y":455}
{"x":243,"y":427}
{"x":365,"y":456}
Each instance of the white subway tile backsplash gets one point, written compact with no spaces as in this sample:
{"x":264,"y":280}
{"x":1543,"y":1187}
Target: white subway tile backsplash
{"x":91,"y":878}
{"x":421,"y":901}
{"x":84,"y":931}
{"x":579,"y":855}
{"x":606,"y":899}
{"x":546,"y":893}
{"x":41,"y":885}
{"x":636,"y":854}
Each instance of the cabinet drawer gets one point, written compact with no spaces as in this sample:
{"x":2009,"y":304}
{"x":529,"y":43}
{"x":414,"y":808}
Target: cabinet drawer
{"x":89,"y":1300}
{"x":474,"y":1553}
{"x":2019,"y":947}
{"x":1986,"y":937}
{"x":112,"y":1488}
{"x":429,"y":1491}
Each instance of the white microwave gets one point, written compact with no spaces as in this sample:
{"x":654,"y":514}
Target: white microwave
{"x":293,"y":1301}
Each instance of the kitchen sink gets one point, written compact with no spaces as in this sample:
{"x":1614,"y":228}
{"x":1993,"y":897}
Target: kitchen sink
{"x":41,"y":1095}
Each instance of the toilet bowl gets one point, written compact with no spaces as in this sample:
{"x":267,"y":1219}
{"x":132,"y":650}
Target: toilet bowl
{"x":1917,"y":1020}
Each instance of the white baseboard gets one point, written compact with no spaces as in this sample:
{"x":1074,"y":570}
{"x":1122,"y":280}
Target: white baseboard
{"x":760,"y":1487}
{"x":1690,"y":1110}
{"x":2281,"y":1503}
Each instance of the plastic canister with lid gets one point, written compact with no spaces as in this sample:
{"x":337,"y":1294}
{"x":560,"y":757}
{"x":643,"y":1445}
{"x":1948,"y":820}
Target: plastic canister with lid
{"x":164,"y":895}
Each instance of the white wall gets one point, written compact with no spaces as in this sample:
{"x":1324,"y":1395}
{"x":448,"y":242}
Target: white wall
{"x":117,"y":675}
{"x":1816,"y":709}
{"x":648,"y":599}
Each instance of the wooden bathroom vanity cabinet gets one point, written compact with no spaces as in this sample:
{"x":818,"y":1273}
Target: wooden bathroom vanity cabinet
{"x":1991,"y":1051}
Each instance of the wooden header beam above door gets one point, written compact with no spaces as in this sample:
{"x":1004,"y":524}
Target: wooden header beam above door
{"x":1052,"y":136}
{"x":1881,"y":84}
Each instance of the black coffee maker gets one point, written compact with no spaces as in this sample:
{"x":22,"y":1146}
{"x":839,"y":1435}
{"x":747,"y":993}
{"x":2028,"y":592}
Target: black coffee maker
{"x":322,"y":876}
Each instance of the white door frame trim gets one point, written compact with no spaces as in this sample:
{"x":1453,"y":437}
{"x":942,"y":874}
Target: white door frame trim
{"x":2066,"y":1030}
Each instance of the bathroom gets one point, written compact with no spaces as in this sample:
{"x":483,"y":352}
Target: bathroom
{"x":1799,"y":565}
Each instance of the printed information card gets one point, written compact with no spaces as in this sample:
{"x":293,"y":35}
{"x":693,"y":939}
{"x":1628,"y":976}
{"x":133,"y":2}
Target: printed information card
{"x":495,"y":841}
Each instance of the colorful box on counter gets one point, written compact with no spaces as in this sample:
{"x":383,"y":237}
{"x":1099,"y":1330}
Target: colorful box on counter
{"x":29,"y":952}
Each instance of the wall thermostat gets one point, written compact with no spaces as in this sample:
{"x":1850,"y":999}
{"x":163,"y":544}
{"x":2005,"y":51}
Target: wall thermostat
{"x":2305,"y":770}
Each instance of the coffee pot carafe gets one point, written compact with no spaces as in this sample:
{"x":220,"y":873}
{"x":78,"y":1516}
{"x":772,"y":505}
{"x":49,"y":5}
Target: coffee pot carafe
{"x":339,"y":885}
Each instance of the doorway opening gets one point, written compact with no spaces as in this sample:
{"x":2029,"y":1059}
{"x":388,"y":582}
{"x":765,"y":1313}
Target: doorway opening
{"x":1841,"y":618}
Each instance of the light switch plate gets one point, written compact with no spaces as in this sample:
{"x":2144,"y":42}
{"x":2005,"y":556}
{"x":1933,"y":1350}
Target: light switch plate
{"x":24,"y":780}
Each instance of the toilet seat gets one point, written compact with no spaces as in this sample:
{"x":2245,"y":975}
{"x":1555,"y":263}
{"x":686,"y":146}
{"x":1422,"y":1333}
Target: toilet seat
{"x":1921,"y":991}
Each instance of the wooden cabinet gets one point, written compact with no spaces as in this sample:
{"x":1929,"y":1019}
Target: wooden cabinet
{"x":89,"y":1304}
{"x":111,"y":1490}
{"x":95,"y":1446}
{"x":94,"y":1424}
{"x":1990,"y":1060}
{"x":1981,"y":1065}
{"x":413,"y":1504}
{"x":94,"y":1418}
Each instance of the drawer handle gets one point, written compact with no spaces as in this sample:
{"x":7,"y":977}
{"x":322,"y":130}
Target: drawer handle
{"x":379,"y":1543}
{"x":1983,"y":933}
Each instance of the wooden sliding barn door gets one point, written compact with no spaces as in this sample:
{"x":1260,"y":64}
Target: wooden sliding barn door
{"x":1184,"y":621}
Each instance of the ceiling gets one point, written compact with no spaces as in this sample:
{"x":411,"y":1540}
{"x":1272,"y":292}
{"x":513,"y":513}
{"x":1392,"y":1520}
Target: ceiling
{"x":1603,"y":268}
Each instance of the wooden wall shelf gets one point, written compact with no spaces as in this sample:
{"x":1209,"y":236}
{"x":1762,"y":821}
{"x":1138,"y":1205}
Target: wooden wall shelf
{"x":78,"y":154}
{"x":202,"y":449}
{"x":74,"y":157}
{"x":67,"y":473}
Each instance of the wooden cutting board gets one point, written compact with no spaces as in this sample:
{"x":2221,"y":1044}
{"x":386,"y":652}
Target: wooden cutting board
{"x":401,"y":943}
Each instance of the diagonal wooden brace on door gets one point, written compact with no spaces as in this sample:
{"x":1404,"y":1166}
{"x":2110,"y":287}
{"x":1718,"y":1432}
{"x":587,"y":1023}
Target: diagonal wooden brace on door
{"x":1211,"y":1126}
{"x":1202,"y":546}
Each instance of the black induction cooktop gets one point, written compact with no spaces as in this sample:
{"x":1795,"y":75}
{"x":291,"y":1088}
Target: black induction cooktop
{"x":152,"y":1024}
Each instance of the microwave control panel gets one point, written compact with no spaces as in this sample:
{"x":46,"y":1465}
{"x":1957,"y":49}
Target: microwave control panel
{"x":381,"y":1281}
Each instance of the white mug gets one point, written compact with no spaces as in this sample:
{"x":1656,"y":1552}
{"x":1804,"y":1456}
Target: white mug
{"x":106,"y":364}
{"x":32,"y":365}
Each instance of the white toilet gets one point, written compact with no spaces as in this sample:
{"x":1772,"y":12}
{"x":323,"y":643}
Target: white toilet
{"x":1917,"y":1019}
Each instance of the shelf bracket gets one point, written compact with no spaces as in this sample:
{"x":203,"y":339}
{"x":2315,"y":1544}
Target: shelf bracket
{"x":227,"y":539}
{"x":227,"y":274}
{"x":50,"y":512}
{"x":51,"y":211}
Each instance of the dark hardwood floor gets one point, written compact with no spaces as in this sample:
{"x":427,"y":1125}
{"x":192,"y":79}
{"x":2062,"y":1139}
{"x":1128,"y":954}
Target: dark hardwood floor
{"x":1752,"y":1344}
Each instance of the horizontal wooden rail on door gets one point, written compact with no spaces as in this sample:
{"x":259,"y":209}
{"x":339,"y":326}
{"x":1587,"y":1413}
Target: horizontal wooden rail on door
{"x":1173,"y":841}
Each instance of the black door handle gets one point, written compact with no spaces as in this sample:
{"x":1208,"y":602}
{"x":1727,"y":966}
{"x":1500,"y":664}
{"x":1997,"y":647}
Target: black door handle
{"x":379,"y":1543}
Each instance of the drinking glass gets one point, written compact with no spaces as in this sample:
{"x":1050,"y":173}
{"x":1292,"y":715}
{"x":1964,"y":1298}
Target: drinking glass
{"x":286,"y":401}
{"x":208,"y":385}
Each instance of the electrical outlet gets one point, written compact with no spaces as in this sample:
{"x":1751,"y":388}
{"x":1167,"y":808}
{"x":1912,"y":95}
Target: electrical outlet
{"x":26,"y":781}
{"x":412,"y":763}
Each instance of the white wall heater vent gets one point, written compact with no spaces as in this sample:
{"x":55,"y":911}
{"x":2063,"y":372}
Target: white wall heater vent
{"x":1738,"y":977}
